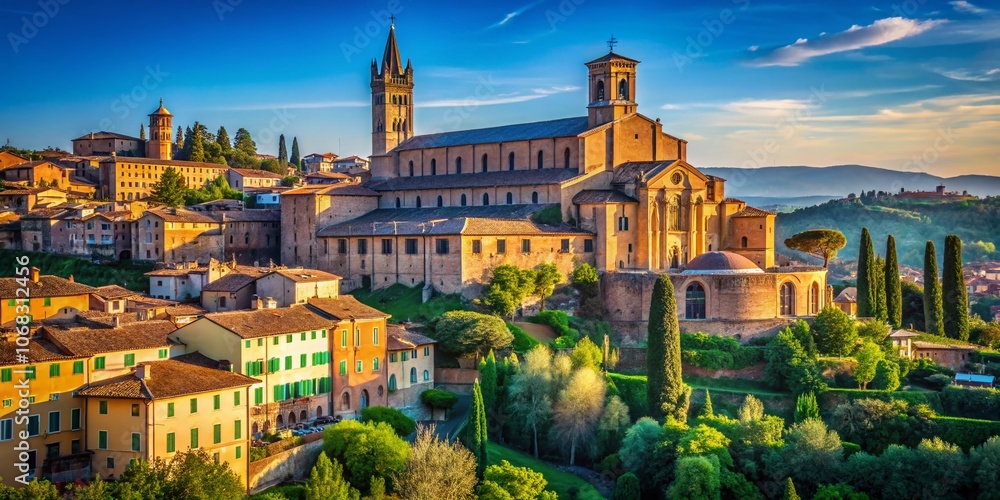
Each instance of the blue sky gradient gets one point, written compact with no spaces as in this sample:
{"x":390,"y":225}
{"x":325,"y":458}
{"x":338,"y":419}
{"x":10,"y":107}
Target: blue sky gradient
{"x":907,"y":85}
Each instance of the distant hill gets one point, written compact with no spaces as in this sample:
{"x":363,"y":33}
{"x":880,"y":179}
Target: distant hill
{"x":785,"y":204}
{"x":839,"y":181}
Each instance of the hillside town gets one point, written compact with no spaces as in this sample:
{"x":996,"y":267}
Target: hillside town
{"x":568,"y":301}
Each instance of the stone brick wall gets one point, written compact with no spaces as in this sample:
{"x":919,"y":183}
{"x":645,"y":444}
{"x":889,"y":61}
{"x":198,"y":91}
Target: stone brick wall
{"x":295,"y":464}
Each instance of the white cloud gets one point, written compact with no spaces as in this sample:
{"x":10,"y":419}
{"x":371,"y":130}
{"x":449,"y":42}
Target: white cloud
{"x":966,"y":7}
{"x":856,"y":37}
{"x":753,"y":48}
{"x":765,"y":107}
{"x":510,"y":16}
{"x":691,"y":136}
{"x":989,"y":75}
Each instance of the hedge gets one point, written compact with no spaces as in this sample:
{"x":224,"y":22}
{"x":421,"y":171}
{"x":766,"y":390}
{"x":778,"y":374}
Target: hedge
{"x":522,"y":341}
{"x":965,"y":432}
{"x":558,"y":321}
{"x":437,"y":398}
{"x":403,"y":425}
{"x":832,"y":398}
{"x":716,"y":353}
{"x":632,"y":391}
{"x":971,"y":402}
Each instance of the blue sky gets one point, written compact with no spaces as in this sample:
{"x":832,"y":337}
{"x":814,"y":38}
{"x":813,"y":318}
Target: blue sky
{"x":906,"y":85}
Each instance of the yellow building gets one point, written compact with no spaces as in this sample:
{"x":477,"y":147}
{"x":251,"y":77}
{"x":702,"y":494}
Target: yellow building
{"x":48,"y":297}
{"x":411,"y":367}
{"x":164,"y":407}
{"x":53,"y":420}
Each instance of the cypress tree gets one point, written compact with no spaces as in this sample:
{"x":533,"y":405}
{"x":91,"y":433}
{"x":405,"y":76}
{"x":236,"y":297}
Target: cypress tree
{"x":142,"y":132}
{"x":893,"y":285}
{"x":933,"y":308}
{"x":706,"y":409}
{"x":197,"y":149}
{"x":955,"y":300}
{"x":881,"y":314}
{"x":488,"y":371}
{"x":866,"y":271}
{"x":806,"y":407}
{"x":627,"y":488}
{"x":666,"y":393}
{"x":477,"y":426}
{"x":180,"y":137}
{"x":222,"y":139}
{"x":282,"y":151}
{"x":296,"y":158}
{"x":790,"y":493}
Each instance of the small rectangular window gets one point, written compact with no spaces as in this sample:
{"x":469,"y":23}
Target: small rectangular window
{"x":358,"y":366}
{"x":343,"y":367}
{"x":526,"y":246}
{"x":130,"y":359}
{"x":477,"y":246}
{"x":341,"y":246}
{"x":588,"y":246}
{"x":74,"y":419}
{"x":77,"y":367}
{"x":441,"y":246}
{"x":564,"y":245}
{"x":239,"y":452}
{"x":55,"y":424}
{"x":54,"y":370}
{"x":136,"y":441}
{"x":216,"y":433}
{"x":102,"y":407}
{"x":194,"y":405}
{"x":501,"y":246}
{"x":217,"y":401}
{"x":99,"y":363}
{"x":362,"y":247}
{"x":162,"y":354}
{"x":102,"y":440}
{"x":411,"y":246}
{"x":236,"y":398}
{"x":135,"y":410}
{"x":238,"y":429}
{"x":386,"y":246}
{"x":194,"y":438}
{"x":170,"y":409}
{"x":171,"y":442}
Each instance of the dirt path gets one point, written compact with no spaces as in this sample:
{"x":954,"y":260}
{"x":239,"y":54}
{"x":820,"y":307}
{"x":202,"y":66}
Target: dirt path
{"x":541,"y":333}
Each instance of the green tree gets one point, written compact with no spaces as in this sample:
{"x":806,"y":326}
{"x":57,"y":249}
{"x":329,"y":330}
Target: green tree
{"x":578,"y":408}
{"x":585,"y":279}
{"x":196,"y":145}
{"x":190,"y":474}
{"x":706,"y":409}
{"x":142,"y":132}
{"x":490,"y":388}
{"x":437,"y":469}
{"x":477,"y":428}
{"x":811,"y":453}
{"x":627,"y":488}
{"x":282,"y":151}
{"x":586,"y":353}
{"x":697,"y":478}
{"x":803,"y":332}
{"x":98,"y":489}
{"x":326,"y":481}
{"x":170,"y":189}
{"x":913,"y":306}
{"x":180,"y":138}
{"x":244,"y":143}
{"x":296,"y":158}
{"x":366,"y":450}
{"x":866,"y":276}
{"x":508,"y":288}
{"x":839,"y":491}
{"x":955,"y":299}
{"x":806,"y":407}
{"x":868,"y":358}
{"x":666,"y":392}
{"x":893,"y":285}
{"x":529,"y":392}
{"x":518,"y":483}
{"x":886,"y":376}
{"x":467,"y":333}
{"x":547,"y":276}
{"x":289,"y":180}
{"x":751,"y":409}
{"x":790,"y":493}
{"x":222,"y":139}
{"x":984,"y":462}
{"x":873,"y":331}
{"x":836,"y":333}
{"x":639,"y":449}
{"x":613,"y":425}
{"x":881,"y":313}
{"x":822,"y":243}
{"x":789,"y":366}
{"x":403,"y":425}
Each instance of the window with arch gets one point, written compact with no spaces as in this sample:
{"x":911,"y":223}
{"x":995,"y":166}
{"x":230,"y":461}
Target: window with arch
{"x":418,"y":202}
{"x":534,"y":197}
{"x":623,"y":89}
{"x":464,"y":200}
{"x":440,"y":201}
{"x":413,"y":375}
{"x":600,"y":90}
{"x":743,"y":242}
{"x":427,"y":376}
{"x":541,"y":159}
{"x":345,"y":401}
{"x":814,"y":299}
{"x":786,"y":297}
{"x":411,"y":169}
{"x":510,"y":198}
{"x":623,"y":223}
{"x":694,"y":302}
{"x":485,"y":162}
{"x":674,"y":214}
{"x":398,"y":203}
{"x":566,"y":155}
{"x":486,"y":199}
{"x":510,"y":161}
{"x":392,"y":382}
{"x":458,"y":165}
{"x":434,"y":166}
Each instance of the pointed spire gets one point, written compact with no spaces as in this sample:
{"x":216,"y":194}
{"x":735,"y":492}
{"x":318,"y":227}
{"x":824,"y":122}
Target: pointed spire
{"x":391,"y":62}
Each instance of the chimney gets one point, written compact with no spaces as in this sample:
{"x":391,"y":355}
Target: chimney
{"x":225,"y":365}
{"x":36,"y":274}
{"x":255,"y":302}
{"x":71,"y":280}
{"x":116,"y":321}
{"x":270,"y":303}
{"x":143,"y":372}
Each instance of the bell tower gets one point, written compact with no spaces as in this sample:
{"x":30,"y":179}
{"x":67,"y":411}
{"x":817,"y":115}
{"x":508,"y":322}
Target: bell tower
{"x":612,"y":87}
{"x":160,"y":144}
{"x":392,"y":98}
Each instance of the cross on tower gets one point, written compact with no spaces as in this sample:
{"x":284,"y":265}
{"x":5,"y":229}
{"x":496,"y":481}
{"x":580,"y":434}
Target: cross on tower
{"x":612,"y":43}
{"x":392,"y":19}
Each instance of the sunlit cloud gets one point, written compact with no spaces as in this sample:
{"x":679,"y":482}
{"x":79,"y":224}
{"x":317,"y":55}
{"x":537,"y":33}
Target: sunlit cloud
{"x":495,"y":100}
{"x":966,"y":7}
{"x":510,"y":16}
{"x":989,"y":75}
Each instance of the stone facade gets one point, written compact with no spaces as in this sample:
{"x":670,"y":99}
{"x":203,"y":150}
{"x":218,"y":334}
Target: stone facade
{"x":305,"y":209}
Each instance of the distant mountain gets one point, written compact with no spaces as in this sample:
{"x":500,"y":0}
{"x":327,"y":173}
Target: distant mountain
{"x":839,"y":181}
{"x":786,"y":204}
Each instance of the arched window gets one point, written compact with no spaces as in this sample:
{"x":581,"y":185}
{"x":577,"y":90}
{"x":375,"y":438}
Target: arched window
{"x":464,"y":200}
{"x":787,"y":297}
{"x":458,"y":165}
{"x":375,"y":364}
{"x":623,"y":89}
{"x":534,"y":197}
{"x":485,"y":162}
{"x":674,"y":214}
{"x":814,"y":299}
{"x":319,"y":411}
{"x":418,"y":202}
{"x":411,"y":169}
{"x":364,"y":399}
{"x":345,"y":401}
{"x":486,"y":199}
{"x":743,"y":242}
{"x":600,"y":90}
{"x":392,"y":382}
{"x":427,"y":376}
{"x":398,"y":203}
{"x":566,"y":158}
{"x":694,"y":302}
{"x":541,"y":159}
{"x":510,"y":161}
{"x":413,"y":375}
{"x":510,"y":198}
{"x":280,"y":421}
{"x":440,"y":201}
{"x":434,"y":166}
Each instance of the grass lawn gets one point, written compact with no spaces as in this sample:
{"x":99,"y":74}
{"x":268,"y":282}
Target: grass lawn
{"x":559,"y":481}
{"x":404,"y":303}
{"x":129,"y":274}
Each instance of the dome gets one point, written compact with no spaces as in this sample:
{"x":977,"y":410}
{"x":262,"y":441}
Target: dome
{"x":161,"y":110}
{"x":721,"y":263}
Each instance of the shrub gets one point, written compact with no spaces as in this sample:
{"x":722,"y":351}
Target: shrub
{"x":712,"y":359}
{"x":970,"y":402}
{"x":551,"y":216}
{"x":522,"y":341}
{"x":258,"y":453}
{"x":716,"y":353}
{"x":403,"y":425}
{"x":558,"y":321}
{"x":965,"y":432}
{"x":632,"y":391}
{"x":564,"y":342}
{"x":437,"y":398}
{"x":938,"y":381}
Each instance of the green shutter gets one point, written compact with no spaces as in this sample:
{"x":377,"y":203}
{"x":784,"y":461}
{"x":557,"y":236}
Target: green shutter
{"x":170,"y":409}
{"x":275,"y":341}
{"x":279,"y":393}
{"x":194,"y":405}
{"x":238,"y":429}
{"x":54,"y":370}
{"x":103,"y":407}
{"x":99,"y":363}
{"x":217,"y":432}
{"x":129,"y":359}
{"x":288,"y":339}
{"x":217,"y":401}
{"x":163,"y":353}
{"x":288,"y":362}
{"x":74,"y":419}
{"x":102,"y":440}
{"x":31,"y":373}
{"x":258,"y":396}
{"x":6,"y":375}
{"x":239,"y":452}
{"x":194,"y":438}
{"x":343,"y":367}
{"x":303,"y":335}
{"x":135,"y":441}
{"x":236,"y":398}
{"x":246,"y":344}
{"x":171,"y":443}
{"x":77,"y":367}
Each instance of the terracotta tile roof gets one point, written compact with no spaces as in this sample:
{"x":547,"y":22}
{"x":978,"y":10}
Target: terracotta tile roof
{"x":34,"y":190}
{"x":341,"y":189}
{"x":47,"y":286}
{"x":253,"y":172}
{"x":479,"y":220}
{"x":350,"y":158}
{"x":733,"y":200}
{"x":400,"y":339}
{"x":177,"y":272}
{"x":345,"y":307}
{"x":629,"y":171}
{"x":230,"y":283}
{"x":170,"y":214}
{"x":566,"y":127}
{"x":602,"y":196}
{"x":752,"y":212}
{"x":300,"y":275}
{"x":902,"y":334}
{"x":545,"y":176}
{"x":112,"y":292}
{"x":848,"y":295}
{"x":184,"y":310}
{"x":88,"y":341}
{"x":39,"y":350}
{"x":919,"y":344}
{"x":267,"y":322}
{"x":106,"y":135}
{"x":252,"y":215}
{"x":181,"y":376}
{"x":611,"y":56}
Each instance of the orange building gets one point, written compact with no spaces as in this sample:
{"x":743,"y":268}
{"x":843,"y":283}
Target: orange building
{"x":49,"y":297}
